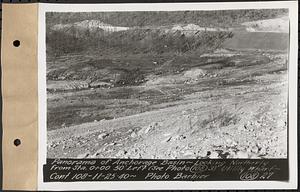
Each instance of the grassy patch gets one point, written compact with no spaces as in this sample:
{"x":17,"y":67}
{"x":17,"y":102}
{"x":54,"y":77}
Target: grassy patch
{"x":218,"y":119}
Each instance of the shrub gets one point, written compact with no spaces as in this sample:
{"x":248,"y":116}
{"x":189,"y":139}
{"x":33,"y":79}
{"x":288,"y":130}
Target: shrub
{"x":221,"y":118}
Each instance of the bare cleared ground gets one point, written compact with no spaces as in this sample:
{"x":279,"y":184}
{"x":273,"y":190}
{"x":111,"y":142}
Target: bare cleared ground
{"x":216,"y":109}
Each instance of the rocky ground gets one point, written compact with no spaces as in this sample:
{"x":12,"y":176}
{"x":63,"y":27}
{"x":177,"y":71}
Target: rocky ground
{"x":207,"y":111}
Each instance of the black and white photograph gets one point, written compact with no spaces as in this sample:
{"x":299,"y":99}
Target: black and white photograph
{"x":207,"y":84}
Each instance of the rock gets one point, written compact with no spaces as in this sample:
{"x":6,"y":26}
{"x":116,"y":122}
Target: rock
{"x":111,"y":144}
{"x":94,"y":155}
{"x":181,"y":137}
{"x":53,"y":145}
{"x":242,"y":128}
{"x":184,"y":112}
{"x":148,"y":129}
{"x":121,"y":153}
{"x":235,"y":143}
{"x":140,"y":132}
{"x":202,"y":153}
{"x":231,"y":156}
{"x":257,"y":124}
{"x":188,"y":153}
{"x":248,"y":150}
{"x":133,"y":134}
{"x":166,"y":134}
{"x":102,"y":135}
{"x":167,"y":139}
{"x":262,"y":151}
{"x":178,"y":137}
{"x":249,"y":143}
{"x":254,"y":149}
{"x":281,"y":123}
{"x":230,"y":142}
{"x":130,"y":131}
{"x":214,"y":155}
{"x":254,"y":156}
{"x":151,"y":126}
{"x":265,"y":143}
{"x":242,"y":155}
{"x":84,"y":155}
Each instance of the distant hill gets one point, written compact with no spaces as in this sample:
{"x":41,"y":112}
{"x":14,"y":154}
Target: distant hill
{"x":117,"y":40}
{"x":219,"y":18}
{"x":91,"y":25}
{"x":162,"y":32}
{"x":258,"y":40}
{"x":277,"y":25}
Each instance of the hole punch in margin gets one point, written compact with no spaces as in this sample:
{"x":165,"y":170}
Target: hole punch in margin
{"x":16,"y":43}
{"x":17,"y":142}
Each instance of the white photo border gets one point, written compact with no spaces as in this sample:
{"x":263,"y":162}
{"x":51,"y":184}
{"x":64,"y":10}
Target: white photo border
{"x":170,"y":185}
